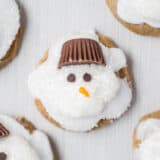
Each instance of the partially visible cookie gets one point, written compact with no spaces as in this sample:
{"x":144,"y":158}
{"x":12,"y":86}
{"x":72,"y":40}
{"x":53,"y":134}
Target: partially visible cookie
{"x":19,"y":139}
{"x":146,"y":137}
{"x":139,"y":16}
{"x":82,"y":83}
{"x":10,"y":31}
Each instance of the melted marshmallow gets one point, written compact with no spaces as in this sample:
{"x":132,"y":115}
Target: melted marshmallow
{"x":140,"y":11}
{"x":20,"y":144}
{"x":9,"y":24}
{"x":109,"y":95}
{"x":149,"y":133}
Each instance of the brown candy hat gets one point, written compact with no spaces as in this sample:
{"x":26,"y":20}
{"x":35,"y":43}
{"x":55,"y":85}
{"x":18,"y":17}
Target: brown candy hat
{"x":81,"y":51}
{"x":3,"y":131}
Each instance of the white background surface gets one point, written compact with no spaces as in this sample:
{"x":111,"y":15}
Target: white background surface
{"x":47,"y":20}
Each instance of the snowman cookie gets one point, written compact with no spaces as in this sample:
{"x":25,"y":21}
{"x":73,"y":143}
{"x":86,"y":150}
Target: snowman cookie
{"x":10,"y":31}
{"x":146,"y":138}
{"x":82,"y":82}
{"x":19,"y":139}
{"x":140,"y":16}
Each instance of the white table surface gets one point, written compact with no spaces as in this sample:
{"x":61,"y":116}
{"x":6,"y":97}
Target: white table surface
{"x":47,"y":20}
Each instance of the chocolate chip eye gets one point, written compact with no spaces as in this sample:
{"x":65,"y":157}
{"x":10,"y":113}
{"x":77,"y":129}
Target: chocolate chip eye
{"x":3,"y":156}
{"x":87,"y":77}
{"x":71,"y":77}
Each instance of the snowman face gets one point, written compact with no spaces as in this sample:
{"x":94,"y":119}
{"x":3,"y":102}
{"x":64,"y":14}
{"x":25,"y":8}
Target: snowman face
{"x":16,"y":148}
{"x":93,"y":86}
{"x":84,"y":90}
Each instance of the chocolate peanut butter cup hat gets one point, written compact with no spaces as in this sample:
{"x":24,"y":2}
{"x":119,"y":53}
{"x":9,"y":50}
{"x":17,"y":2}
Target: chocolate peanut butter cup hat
{"x":81,"y":51}
{"x":3,"y":131}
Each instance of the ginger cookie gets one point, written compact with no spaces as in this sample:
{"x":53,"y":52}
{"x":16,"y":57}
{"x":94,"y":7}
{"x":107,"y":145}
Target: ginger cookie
{"x":82,"y":83}
{"x":19,"y":139}
{"x":139,"y":16}
{"x":146,"y":137}
{"x":10,"y":31}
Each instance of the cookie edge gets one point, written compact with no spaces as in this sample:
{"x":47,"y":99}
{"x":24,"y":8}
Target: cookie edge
{"x":142,"y":29}
{"x":122,"y":73}
{"x":13,"y":51}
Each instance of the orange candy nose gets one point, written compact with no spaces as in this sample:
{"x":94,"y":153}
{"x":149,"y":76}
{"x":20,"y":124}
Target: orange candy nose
{"x":83,"y":91}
